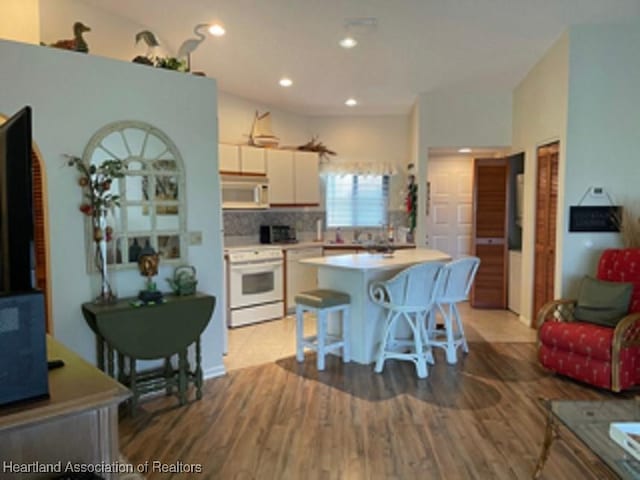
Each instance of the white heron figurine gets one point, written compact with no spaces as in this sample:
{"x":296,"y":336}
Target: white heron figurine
{"x":150,"y":39}
{"x":189,"y":45}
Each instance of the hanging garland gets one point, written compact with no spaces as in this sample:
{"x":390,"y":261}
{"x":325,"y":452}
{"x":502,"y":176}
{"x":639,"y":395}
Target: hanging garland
{"x":412,"y":202}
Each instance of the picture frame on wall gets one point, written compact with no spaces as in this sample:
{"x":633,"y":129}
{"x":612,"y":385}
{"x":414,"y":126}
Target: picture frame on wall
{"x":594,"y":218}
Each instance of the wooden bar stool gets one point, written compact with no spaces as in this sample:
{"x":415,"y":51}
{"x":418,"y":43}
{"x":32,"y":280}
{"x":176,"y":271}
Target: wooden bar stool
{"x":322,"y":302}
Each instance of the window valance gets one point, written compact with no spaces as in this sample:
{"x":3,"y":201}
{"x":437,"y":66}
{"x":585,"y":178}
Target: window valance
{"x":336,"y":167}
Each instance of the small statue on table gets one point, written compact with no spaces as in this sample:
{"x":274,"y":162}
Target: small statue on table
{"x":148,"y":261}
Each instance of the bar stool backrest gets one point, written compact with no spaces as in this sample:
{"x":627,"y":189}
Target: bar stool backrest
{"x":406,"y":290}
{"x":457,"y":278}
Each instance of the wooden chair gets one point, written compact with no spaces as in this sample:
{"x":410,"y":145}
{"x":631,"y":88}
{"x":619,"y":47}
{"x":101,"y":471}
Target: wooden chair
{"x":407,"y":297}
{"x":457,"y":278}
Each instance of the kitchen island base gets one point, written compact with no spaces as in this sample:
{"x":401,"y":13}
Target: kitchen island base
{"x":352,"y":274}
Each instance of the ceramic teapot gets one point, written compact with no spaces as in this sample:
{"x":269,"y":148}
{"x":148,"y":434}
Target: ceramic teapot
{"x":184,"y":280}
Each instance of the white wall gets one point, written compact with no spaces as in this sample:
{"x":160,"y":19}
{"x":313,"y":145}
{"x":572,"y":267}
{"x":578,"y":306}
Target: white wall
{"x":540,"y":117}
{"x":414,"y":134}
{"x":67,"y":111}
{"x":20,"y":20}
{"x":236,"y":116}
{"x":602,"y":134}
{"x":456,"y":119}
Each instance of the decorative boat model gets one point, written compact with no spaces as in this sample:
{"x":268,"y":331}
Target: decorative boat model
{"x":261,"y":134}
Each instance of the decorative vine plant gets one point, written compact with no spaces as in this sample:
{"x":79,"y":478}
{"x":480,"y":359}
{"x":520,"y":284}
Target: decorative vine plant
{"x":96,"y":181}
{"x":411,"y":200}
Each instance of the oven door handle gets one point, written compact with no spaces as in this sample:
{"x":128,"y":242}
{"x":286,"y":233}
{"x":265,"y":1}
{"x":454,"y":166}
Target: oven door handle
{"x":256,"y":267}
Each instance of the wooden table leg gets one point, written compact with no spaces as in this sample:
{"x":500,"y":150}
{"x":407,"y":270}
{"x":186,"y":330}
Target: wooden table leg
{"x":550,"y":433}
{"x":121,"y":368}
{"x":100,"y":352}
{"x":198,"y":372}
{"x":182,"y":376}
{"x":168,"y":375}
{"x":133,"y":403}
{"x":110,"y":363}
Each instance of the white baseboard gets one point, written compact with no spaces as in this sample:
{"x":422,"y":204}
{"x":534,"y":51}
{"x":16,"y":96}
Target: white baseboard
{"x":524,"y":320}
{"x":213,"y":372}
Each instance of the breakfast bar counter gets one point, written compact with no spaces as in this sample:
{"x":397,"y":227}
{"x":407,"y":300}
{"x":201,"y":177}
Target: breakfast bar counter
{"x":352,"y":274}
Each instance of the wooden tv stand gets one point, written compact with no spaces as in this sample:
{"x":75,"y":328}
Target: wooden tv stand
{"x":78,"y":423}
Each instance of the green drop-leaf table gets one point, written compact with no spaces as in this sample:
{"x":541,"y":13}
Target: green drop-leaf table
{"x":151,"y":332}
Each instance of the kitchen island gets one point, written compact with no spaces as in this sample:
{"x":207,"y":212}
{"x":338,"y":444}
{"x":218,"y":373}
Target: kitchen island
{"x":352,"y":274}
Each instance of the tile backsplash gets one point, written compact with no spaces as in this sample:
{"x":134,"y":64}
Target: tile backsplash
{"x":247,"y":222}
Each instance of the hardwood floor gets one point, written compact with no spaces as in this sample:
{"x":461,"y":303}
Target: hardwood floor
{"x":479,"y":419}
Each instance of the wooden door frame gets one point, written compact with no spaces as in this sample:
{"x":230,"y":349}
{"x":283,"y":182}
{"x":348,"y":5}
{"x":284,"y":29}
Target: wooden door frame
{"x":547,"y":143}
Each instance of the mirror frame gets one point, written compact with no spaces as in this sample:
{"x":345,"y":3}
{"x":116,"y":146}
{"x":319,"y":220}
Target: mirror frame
{"x":125,"y":130}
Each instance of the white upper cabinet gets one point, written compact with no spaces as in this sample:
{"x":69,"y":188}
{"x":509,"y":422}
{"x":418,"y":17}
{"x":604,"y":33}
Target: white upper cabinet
{"x":307,"y":178}
{"x":241,"y":159}
{"x":281,"y":177}
{"x":293,"y":178}
{"x":252,"y":160}
{"x":228,"y":158}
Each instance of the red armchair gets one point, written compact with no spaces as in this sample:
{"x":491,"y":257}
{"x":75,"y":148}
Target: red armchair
{"x":602,"y":356}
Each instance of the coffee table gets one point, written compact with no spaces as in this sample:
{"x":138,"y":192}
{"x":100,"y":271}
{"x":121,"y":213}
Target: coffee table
{"x":589,"y":422}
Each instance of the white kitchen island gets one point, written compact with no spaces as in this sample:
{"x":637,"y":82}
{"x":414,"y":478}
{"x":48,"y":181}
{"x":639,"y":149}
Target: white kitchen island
{"x":352,"y":274}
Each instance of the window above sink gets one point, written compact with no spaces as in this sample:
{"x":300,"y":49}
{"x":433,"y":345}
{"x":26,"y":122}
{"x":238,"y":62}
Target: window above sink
{"x":357,"y":200}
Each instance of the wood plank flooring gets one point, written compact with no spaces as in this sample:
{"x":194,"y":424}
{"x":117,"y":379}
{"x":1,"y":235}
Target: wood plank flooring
{"x":479,"y":419}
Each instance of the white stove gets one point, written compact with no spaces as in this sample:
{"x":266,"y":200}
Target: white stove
{"x":252,"y":254}
{"x":256,"y":291}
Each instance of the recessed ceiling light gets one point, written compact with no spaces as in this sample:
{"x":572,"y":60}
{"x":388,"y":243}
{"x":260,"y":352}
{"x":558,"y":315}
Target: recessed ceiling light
{"x":464,"y":150}
{"x":348,"y":42}
{"x":351,"y":102}
{"x":285,"y":82}
{"x":217,"y":30}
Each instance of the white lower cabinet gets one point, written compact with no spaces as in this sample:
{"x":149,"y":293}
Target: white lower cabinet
{"x":300,"y":277}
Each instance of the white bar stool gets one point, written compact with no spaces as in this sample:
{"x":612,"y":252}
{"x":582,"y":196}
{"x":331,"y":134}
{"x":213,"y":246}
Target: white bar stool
{"x":322,"y":302}
{"x":409,"y":296}
{"x":457,"y":278}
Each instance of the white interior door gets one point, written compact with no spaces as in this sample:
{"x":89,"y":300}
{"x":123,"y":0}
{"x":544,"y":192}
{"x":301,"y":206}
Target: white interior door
{"x":450,"y":205}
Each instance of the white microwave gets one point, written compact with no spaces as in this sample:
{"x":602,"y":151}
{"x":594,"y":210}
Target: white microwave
{"x":244,"y":192}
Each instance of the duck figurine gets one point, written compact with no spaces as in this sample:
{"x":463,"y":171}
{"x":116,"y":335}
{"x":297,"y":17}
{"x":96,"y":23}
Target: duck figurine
{"x":77,"y":43}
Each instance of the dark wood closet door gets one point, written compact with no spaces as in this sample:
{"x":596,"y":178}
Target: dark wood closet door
{"x":490,"y":232}
{"x":545,"y":234}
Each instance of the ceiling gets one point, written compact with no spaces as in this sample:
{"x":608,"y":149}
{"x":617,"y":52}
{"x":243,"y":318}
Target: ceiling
{"x":417,"y":45}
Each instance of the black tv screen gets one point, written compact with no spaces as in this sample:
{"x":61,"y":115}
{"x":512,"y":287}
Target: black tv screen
{"x":16,"y":210}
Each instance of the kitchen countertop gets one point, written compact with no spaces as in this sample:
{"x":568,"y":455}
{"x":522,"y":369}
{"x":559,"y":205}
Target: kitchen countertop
{"x":309,"y":244}
{"x":362,"y":246}
{"x":378,"y":261}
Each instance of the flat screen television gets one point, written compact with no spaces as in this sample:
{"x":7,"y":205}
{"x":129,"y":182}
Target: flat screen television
{"x":23,"y":351}
{"x":16,"y":204}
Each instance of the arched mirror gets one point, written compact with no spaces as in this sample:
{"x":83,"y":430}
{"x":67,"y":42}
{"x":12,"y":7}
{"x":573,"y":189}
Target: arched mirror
{"x":152,"y":192}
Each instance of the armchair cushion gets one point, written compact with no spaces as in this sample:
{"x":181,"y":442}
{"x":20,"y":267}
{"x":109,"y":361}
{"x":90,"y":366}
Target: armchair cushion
{"x":580,"y":338}
{"x":602,"y":302}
